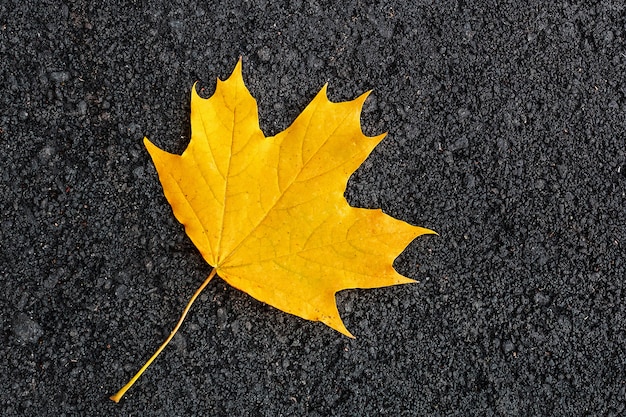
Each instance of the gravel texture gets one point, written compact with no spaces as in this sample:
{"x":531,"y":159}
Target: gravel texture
{"x":507,"y":135}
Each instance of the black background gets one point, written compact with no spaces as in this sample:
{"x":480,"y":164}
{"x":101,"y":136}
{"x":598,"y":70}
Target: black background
{"x":506,"y":135}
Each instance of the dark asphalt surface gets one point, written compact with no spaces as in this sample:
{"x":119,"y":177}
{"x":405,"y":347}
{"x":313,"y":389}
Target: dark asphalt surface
{"x":507,"y":135}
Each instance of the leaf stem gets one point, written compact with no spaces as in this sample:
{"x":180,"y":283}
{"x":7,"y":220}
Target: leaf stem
{"x":118,"y":396}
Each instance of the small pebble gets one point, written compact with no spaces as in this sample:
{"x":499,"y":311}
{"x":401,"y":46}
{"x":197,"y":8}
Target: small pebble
{"x":25,"y":329}
{"x":264,"y":54}
{"x":458,"y":144}
{"x":81,"y":107}
{"x":542,"y":299}
{"x":120,"y":291}
{"x":59,"y":76}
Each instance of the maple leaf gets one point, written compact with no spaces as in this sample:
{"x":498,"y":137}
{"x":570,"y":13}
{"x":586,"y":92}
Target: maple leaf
{"x":269,"y":213}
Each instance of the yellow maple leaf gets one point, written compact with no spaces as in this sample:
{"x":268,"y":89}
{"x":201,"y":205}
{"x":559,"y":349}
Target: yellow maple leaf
{"x":269,"y":213}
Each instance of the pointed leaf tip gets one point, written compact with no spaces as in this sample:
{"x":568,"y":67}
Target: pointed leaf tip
{"x":324,"y":91}
{"x":361,"y":99}
{"x":237,"y":71}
